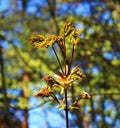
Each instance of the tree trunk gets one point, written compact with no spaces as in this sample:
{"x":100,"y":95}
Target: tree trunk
{"x":25,"y":121}
{"x":4,"y":91}
{"x":25,"y":114}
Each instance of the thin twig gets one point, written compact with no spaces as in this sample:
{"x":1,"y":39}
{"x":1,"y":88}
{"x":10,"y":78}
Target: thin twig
{"x":64,"y":55}
{"x":71,"y":61}
{"x":55,"y":98}
{"x":58,"y":59}
{"x":61,"y":48}
{"x":66,"y":109}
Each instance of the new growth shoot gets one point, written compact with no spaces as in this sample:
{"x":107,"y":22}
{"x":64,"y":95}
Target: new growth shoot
{"x":67,"y":75}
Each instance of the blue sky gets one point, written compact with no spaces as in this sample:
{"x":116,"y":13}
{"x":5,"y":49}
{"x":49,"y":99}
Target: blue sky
{"x":4,"y":4}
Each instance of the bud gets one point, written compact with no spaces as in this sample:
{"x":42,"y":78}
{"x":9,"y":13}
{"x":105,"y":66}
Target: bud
{"x":38,"y":41}
{"x":85,"y":95}
{"x":45,"y":92}
{"x":67,"y":28}
{"x":82,"y":75}
{"x":51,"y":40}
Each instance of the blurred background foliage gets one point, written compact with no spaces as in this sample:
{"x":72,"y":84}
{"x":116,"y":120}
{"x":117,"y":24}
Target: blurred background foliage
{"x":23,"y":66}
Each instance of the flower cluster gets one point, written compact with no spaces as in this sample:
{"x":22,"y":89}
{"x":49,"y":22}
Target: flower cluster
{"x":45,"y":92}
{"x":41,"y":41}
{"x":68,"y":29}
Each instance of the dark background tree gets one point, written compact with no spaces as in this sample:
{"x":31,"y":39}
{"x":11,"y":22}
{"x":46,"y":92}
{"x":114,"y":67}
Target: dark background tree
{"x":98,"y":54}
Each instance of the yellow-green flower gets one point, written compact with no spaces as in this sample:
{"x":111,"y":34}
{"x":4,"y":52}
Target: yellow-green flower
{"x":74,"y":38}
{"x":39,"y":41}
{"x":51,"y":40}
{"x":67,"y":28}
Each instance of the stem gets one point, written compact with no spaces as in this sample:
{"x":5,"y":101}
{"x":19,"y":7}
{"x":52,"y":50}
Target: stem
{"x":64,"y":56}
{"x":61,"y":49}
{"x":58,"y":59}
{"x":72,"y":56}
{"x":55,"y":98}
{"x":66,"y":109}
